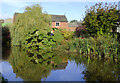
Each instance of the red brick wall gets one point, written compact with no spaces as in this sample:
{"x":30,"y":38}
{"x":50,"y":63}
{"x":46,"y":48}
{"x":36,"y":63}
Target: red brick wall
{"x":63,"y":25}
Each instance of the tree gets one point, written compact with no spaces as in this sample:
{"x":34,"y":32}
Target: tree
{"x":30,"y":21}
{"x":101,"y":18}
{"x":73,"y":21}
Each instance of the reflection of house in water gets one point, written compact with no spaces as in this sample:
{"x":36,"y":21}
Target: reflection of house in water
{"x":61,"y":66}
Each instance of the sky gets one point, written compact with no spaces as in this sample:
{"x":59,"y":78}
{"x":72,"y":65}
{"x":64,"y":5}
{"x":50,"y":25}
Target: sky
{"x":72,"y":9}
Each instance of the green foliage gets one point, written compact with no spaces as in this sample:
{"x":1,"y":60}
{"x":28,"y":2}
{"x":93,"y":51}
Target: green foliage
{"x":73,"y":21}
{"x":28,"y":22}
{"x":6,"y":24}
{"x":101,"y":18}
{"x":102,"y":47}
{"x":5,"y":36}
{"x":67,"y":34}
{"x":40,"y":44}
{"x":58,"y":36}
{"x":25,"y":67}
{"x":98,"y":71}
{"x":32,"y":30}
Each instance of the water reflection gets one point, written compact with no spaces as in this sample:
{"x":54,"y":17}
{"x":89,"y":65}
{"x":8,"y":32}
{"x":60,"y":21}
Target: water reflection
{"x":98,"y":70}
{"x":101,"y":71}
{"x":62,"y":67}
{"x":5,"y":52}
{"x":29,"y":71}
{"x":5,"y":43}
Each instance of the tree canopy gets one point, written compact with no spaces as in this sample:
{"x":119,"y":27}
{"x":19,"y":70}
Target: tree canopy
{"x":101,"y":18}
{"x":72,"y":21}
{"x":28,"y":22}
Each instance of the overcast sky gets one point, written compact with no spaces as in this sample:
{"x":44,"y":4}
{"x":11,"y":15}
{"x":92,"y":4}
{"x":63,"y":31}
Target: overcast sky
{"x":73,"y":9}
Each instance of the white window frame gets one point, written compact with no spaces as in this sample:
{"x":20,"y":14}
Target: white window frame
{"x":57,"y":22}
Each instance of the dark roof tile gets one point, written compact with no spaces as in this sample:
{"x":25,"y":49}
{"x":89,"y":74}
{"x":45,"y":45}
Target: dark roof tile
{"x":72,"y":25}
{"x":59,"y":18}
{"x":55,"y":18}
{"x":76,"y":24}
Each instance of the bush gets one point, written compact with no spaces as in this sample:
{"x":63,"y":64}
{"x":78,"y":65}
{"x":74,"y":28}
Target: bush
{"x":81,"y":32}
{"x":67,"y":34}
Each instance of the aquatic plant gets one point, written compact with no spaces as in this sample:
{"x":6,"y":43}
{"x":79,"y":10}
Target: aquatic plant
{"x":102,"y":47}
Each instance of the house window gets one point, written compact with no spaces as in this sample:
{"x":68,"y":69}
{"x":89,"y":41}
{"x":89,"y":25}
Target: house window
{"x":57,"y":24}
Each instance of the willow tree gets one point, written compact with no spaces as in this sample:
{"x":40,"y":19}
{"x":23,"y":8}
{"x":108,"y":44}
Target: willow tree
{"x":30,"y":21}
{"x":101,"y":18}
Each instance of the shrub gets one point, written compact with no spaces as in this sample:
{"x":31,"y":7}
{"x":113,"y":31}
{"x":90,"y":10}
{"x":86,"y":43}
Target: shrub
{"x":66,"y":34}
{"x":81,"y":32}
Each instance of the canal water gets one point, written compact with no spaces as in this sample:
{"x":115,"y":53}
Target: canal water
{"x":16,"y":66}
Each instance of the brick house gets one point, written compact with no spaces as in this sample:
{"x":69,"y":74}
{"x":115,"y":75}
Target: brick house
{"x":59,"y":21}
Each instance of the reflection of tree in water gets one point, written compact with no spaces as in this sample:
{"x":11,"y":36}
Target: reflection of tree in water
{"x":5,"y":52}
{"x":101,"y":71}
{"x":5,"y":43}
{"x":97,"y":70}
{"x":2,"y":79}
{"x":28,"y":70}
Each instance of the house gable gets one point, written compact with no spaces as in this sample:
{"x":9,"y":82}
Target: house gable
{"x":59,"y":21}
{"x":59,"y":18}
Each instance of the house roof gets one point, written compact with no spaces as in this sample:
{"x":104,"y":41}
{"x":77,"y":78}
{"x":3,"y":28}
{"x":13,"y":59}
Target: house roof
{"x":59,"y":18}
{"x":55,"y":18}
{"x":72,"y":25}
{"x":76,"y":24}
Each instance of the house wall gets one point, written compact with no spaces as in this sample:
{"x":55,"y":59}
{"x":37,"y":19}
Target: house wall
{"x":63,"y":25}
